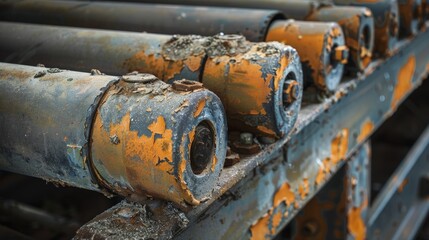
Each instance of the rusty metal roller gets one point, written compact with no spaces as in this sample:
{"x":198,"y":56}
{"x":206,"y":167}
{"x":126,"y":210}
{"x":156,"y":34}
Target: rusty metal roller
{"x":386,"y":17}
{"x":254,"y":24}
{"x":310,"y":38}
{"x":357,"y":24}
{"x":136,"y":136}
{"x":262,"y":82}
{"x":358,"y":27}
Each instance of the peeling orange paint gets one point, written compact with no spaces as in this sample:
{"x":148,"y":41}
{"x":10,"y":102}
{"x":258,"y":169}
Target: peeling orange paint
{"x":339,"y":146}
{"x":365,"y":130}
{"x":200,"y":107}
{"x":355,"y":223}
{"x":284,"y":194}
{"x":276,"y":220}
{"x":310,"y":41}
{"x":260,"y":229}
{"x":245,"y":89}
{"x":144,"y":162}
{"x":404,"y":82}
{"x":161,"y":67}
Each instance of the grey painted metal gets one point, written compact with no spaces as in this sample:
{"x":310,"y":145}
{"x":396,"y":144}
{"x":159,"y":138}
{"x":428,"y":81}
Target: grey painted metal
{"x":77,"y":49}
{"x":399,"y":209}
{"x":153,"y":18}
{"x":340,"y":209}
{"x":35,"y":141}
{"x":246,"y":191}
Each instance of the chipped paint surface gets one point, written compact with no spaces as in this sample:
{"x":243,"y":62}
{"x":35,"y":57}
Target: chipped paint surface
{"x":260,"y":229}
{"x":355,"y":223}
{"x":339,"y":146}
{"x":151,"y":153}
{"x":314,"y":42}
{"x":404,"y":82}
{"x":248,"y":84}
{"x":365,"y":130}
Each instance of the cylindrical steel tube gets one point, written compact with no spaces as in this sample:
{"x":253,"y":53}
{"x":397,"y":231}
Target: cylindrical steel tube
{"x":89,"y":131}
{"x":253,"y":101}
{"x":386,"y":15}
{"x":357,"y":24}
{"x":151,"y":18}
{"x":411,"y":16}
{"x":321,"y":48}
{"x":169,"y":19}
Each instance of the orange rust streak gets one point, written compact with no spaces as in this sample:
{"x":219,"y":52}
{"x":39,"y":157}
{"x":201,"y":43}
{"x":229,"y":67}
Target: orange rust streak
{"x":355,"y":222}
{"x":260,"y":229}
{"x":365,"y":130}
{"x":339,"y":146}
{"x":404,"y":82}
{"x":284,"y":194}
{"x":200,"y":107}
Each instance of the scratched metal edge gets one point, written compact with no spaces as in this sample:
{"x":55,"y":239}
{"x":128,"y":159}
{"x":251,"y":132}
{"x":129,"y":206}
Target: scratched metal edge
{"x":308,"y":113}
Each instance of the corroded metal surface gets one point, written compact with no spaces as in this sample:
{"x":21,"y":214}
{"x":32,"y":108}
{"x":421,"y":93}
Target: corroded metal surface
{"x":386,"y":22}
{"x":46,"y":145}
{"x":322,"y":65}
{"x":260,"y":194}
{"x":89,"y":130}
{"x":357,"y":23}
{"x":254,"y":100}
{"x":321,"y":49}
{"x":358,"y":26}
{"x":340,"y":209}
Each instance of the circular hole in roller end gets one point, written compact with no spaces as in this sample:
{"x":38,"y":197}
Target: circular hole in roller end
{"x":290,"y":90}
{"x":202,"y":148}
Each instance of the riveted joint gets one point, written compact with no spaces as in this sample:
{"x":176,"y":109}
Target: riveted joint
{"x":291,"y":91}
{"x":187,"y":85}
{"x":341,"y":54}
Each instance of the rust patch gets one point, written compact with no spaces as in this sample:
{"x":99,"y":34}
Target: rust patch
{"x":404,"y":81}
{"x":276,"y":220}
{"x":339,"y":146}
{"x":355,"y":223}
{"x":284,"y":194}
{"x":365,"y":130}
{"x":309,"y":41}
{"x":260,"y":229}
{"x":200,"y":107}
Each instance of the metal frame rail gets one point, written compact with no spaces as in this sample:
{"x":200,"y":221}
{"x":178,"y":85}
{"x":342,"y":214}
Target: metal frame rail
{"x":262,"y":193}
